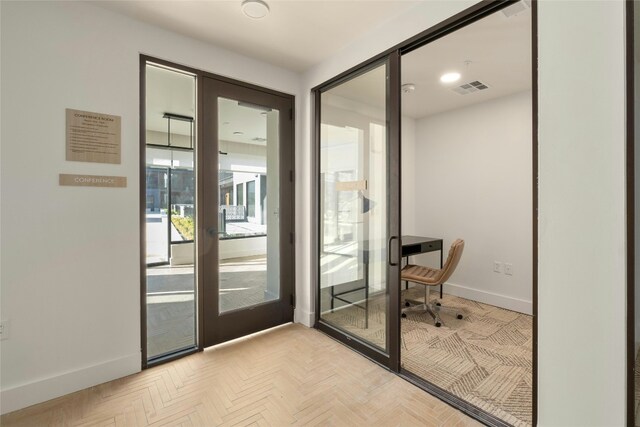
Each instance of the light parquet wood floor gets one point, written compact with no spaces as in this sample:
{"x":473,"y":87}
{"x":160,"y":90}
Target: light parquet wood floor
{"x":291,"y":375}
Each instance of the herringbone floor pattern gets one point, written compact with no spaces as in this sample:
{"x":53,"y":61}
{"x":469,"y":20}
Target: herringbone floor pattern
{"x":290,"y":375}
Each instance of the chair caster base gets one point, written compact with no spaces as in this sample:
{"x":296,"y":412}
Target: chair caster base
{"x":404,"y":315}
{"x":459,"y":316}
{"x":438,"y":324}
{"x":407,"y":304}
{"x":438,"y":304}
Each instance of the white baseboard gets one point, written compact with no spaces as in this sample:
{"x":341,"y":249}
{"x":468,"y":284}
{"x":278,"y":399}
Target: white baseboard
{"x":503,"y":301}
{"x":21,"y":396}
{"x":304,"y":317}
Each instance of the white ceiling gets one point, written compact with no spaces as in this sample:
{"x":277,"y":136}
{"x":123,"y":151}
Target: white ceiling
{"x":499,"y":49}
{"x":295,"y":35}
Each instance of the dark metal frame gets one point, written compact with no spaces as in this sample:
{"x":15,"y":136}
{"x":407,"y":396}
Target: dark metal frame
{"x":219,"y":327}
{"x":630,"y":201}
{"x":392,"y":360}
{"x":287,"y":204}
{"x":390,"y":357}
{"x":181,"y":118}
{"x":534,"y":216}
{"x":145,"y":363}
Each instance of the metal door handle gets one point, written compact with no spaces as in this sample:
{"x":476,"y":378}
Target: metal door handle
{"x":212,"y":232}
{"x":390,"y":252}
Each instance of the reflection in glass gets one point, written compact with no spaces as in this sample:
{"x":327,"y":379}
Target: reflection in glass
{"x":170,"y":211}
{"x":353,"y":195}
{"x":248,"y":227}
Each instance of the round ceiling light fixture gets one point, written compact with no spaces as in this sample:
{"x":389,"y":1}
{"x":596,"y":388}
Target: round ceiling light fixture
{"x":408,"y":87}
{"x":450,"y":77}
{"x":255,"y":9}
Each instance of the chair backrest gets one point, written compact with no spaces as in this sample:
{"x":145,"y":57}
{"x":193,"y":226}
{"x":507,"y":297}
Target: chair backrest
{"x":455,"y":253}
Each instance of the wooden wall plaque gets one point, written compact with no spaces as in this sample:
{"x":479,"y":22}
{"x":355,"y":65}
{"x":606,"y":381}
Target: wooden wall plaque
{"x":93,"y":137}
{"x":92,"y":180}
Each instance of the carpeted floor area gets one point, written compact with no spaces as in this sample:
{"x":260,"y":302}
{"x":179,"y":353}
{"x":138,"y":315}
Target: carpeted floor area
{"x":485,"y":358}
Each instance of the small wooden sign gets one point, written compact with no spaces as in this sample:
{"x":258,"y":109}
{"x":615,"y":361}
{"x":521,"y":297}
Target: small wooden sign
{"x":351,"y":185}
{"x":93,"y":137}
{"x":92,"y":180}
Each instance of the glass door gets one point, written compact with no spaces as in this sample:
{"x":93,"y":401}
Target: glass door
{"x":169,"y":212}
{"x":247,"y":251}
{"x":358,"y":241}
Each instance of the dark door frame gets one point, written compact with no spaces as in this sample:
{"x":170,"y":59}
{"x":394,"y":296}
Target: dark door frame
{"x":145,"y":363}
{"x":391,"y":357}
{"x":219,"y":327}
{"x":200,"y":231}
{"x":630,"y":201}
{"x":466,"y":17}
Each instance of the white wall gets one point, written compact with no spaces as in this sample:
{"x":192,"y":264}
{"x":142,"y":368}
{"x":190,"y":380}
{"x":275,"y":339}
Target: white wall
{"x":473,"y":181}
{"x":407,"y":176}
{"x":582,"y":280}
{"x":70,"y":256}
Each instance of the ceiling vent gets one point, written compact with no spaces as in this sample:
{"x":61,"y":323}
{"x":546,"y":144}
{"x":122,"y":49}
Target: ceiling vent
{"x":470,"y":87}
{"x":516,"y":8}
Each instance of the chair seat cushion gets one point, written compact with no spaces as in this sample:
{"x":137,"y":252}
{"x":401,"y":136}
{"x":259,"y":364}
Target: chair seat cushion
{"x":420,"y":274}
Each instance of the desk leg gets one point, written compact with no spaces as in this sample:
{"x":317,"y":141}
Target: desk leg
{"x":332,"y":297}
{"x":406,"y":283}
{"x":441,"y":250}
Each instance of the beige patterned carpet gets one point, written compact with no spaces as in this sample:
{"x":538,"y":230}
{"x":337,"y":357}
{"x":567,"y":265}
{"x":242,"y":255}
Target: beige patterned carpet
{"x":485,"y":358}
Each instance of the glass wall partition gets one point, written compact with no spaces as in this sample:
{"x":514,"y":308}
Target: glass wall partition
{"x":354,"y":236}
{"x":170,"y":211}
{"x":467,"y":107}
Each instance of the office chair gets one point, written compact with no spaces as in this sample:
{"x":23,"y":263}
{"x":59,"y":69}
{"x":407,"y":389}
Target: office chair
{"x":432,"y":277}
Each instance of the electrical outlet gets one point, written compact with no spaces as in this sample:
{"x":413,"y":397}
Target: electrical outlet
{"x":4,"y":330}
{"x":497,"y":267}
{"x":508,"y":269}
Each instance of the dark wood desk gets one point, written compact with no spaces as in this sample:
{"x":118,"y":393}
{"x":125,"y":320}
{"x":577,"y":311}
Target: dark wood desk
{"x":414,"y":245}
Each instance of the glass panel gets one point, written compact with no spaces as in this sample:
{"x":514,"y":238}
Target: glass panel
{"x":240,"y":195}
{"x":156,"y":213}
{"x":468,"y":143}
{"x":170,"y":211}
{"x":353,"y":207}
{"x":251,"y":198}
{"x":249,"y":229}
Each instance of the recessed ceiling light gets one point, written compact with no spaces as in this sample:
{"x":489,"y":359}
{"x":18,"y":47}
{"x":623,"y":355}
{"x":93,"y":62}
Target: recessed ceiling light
{"x":408,"y":87}
{"x":450,"y":77}
{"x":238,"y":133}
{"x":255,"y":9}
